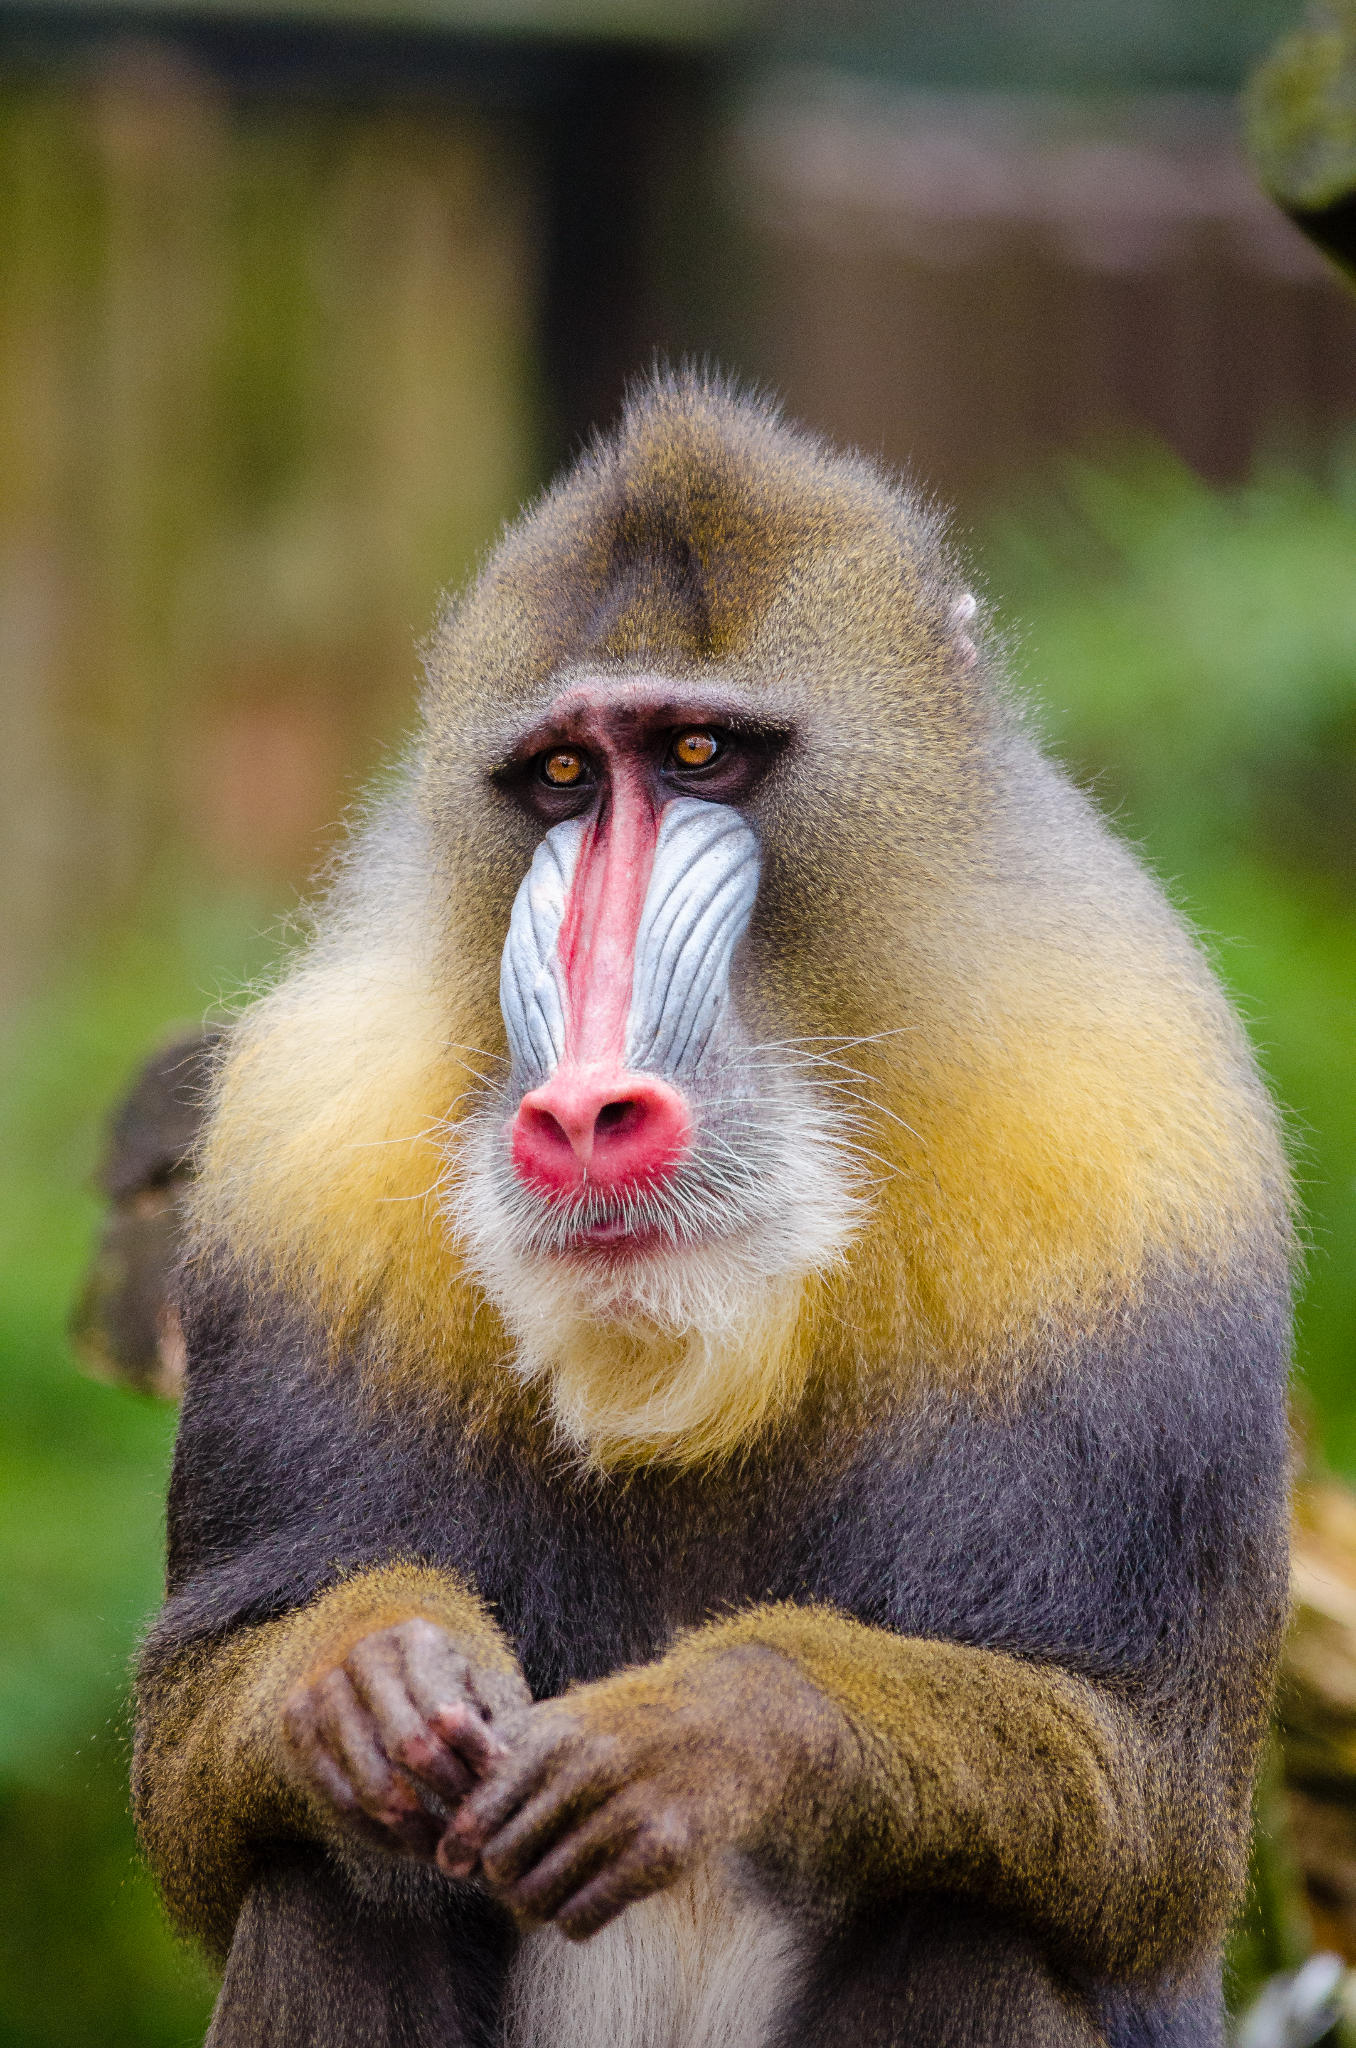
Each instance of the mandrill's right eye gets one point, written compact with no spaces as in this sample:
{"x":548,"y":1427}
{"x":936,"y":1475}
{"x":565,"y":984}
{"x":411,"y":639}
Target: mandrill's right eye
{"x":559,"y":782}
{"x":563,"y":768}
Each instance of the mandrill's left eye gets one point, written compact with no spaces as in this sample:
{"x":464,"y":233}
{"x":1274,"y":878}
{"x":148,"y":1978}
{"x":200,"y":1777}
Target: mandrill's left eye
{"x":563,"y":768}
{"x":695,"y":749}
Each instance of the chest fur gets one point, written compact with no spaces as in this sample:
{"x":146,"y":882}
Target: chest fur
{"x":705,"y":1965}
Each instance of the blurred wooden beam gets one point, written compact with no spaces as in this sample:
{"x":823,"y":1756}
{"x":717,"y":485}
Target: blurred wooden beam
{"x":612,"y":100}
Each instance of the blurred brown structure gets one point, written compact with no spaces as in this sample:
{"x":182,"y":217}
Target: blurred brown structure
{"x":968,"y":280}
{"x":293,"y":313}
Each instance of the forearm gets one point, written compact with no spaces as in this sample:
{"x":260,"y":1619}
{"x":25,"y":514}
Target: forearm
{"x":212,"y":1778}
{"x":1023,"y":1787}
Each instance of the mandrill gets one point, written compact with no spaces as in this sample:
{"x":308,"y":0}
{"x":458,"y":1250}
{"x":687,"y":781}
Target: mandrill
{"x":731,"y":1484}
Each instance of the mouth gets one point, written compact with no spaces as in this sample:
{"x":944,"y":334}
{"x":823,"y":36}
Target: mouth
{"x":617,"y":1236}
{"x":603,"y":1226}
{"x":607,"y":1231}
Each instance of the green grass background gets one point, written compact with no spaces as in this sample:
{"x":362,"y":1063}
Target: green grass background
{"x":1193,"y":655}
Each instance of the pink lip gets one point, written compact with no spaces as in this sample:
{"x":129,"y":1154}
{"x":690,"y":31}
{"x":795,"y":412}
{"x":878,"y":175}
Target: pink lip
{"x":612,"y":1237}
{"x":606,"y":1233}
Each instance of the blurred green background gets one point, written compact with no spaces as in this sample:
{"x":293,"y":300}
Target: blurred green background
{"x":281,"y":347}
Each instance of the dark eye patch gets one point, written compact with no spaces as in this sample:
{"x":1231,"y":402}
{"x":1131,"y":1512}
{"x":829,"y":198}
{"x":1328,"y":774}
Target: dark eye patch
{"x":649,"y":736}
{"x":741,"y":758}
{"x":695,"y":749}
{"x":533,"y":784}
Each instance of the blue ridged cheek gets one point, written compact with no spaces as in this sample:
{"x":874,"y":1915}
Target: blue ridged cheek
{"x":697,"y":907}
{"x":531,"y":980}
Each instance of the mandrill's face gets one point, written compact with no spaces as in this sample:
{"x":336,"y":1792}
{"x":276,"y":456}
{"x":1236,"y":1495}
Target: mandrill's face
{"x":703,"y":759}
{"x":651,"y":1148}
{"x":615,"y":983}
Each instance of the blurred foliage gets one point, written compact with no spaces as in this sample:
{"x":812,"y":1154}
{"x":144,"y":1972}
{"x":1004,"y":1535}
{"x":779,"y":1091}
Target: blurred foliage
{"x":85,"y":1958}
{"x":1195,"y":654}
{"x":1300,"y":111}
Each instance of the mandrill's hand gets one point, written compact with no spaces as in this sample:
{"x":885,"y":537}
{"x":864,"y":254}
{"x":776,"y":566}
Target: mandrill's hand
{"x":393,"y":1738}
{"x":620,"y":1788}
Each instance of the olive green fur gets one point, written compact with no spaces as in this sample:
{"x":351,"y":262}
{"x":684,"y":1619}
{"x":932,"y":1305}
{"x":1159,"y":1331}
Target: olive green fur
{"x":212,"y":1779}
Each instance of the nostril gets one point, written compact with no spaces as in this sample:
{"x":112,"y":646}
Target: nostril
{"x":616,"y":1117}
{"x":549,"y":1129}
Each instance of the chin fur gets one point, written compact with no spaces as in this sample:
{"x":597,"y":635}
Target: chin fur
{"x":681,"y":1340}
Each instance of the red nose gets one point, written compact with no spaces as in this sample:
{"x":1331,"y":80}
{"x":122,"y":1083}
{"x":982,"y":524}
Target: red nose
{"x":600,"y":1126}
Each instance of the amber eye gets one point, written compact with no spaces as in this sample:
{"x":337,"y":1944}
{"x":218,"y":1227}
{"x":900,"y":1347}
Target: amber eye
{"x":563,"y":767}
{"x":695,"y":749}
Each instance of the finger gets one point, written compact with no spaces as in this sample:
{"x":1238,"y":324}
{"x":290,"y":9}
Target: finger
{"x":499,"y":1694}
{"x":348,"y":1733}
{"x":303,"y":1736}
{"x":454,"y":1859}
{"x":514,"y":1779}
{"x":443,"y":1688}
{"x":433,"y":1670}
{"x":402,"y":1732}
{"x":567,"y":1868}
{"x":476,"y":1746}
{"x":655,"y":1860}
{"x":302,"y":1721}
{"x":327,"y":1777}
{"x":435,"y":1673}
{"x":539,"y":1824}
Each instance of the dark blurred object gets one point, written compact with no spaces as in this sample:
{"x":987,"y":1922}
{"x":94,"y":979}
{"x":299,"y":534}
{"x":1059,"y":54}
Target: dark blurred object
{"x":1300,"y":111}
{"x":123,"y":1328}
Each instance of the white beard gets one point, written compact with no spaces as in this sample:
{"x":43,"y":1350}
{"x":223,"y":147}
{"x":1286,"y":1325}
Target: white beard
{"x":647,"y":1350}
